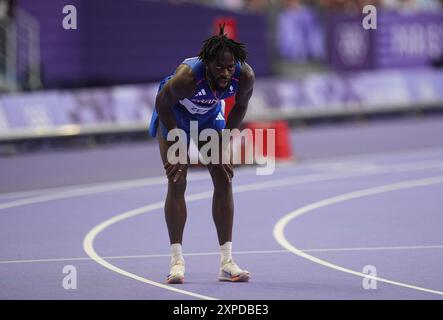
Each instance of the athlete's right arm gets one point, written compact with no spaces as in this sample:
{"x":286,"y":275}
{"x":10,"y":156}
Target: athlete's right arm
{"x":182,"y":85}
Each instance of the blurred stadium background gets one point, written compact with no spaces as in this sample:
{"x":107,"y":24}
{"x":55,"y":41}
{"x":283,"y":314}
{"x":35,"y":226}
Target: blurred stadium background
{"x":315,"y":65}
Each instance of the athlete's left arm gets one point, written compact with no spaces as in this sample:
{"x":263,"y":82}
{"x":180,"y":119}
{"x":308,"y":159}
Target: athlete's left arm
{"x":244,"y":93}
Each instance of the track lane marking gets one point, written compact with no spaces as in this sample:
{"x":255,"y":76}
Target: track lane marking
{"x":279,"y":228}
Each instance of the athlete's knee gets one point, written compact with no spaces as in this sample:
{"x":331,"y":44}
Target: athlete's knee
{"x":220,"y":175}
{"x":180,"y":184}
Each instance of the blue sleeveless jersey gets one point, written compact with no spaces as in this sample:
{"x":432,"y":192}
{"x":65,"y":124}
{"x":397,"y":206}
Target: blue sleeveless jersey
{"x":204,"y":99}
{"x":204,"y":106}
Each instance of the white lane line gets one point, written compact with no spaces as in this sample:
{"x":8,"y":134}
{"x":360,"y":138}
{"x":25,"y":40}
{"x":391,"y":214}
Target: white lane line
{"x":197,"y":254}
{"x":90,"y":189}
{"x":108,"y":188}
{"x":158,"y":180}
{"x":97,"y":188}
{"x":279,"y":228}
{"x":88,"y":246}
{"x":368,"y":167}
{"x":133,"y":183}
{"x":88,"y":241}
{"x":101,"y":188}
{"x":126,"y":184}
{"x":407,"y":153}
{"x":373,"y":248}
{"x":72,"y":191}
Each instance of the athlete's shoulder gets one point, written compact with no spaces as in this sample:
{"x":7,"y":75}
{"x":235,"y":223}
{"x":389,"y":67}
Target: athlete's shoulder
{"x":184,"y":72}
{"x":246,"y":70}
{"x":247,"y":75}
{"x":196,"y":65}
{"x":183,"y":82}
{"x":192,"y":61}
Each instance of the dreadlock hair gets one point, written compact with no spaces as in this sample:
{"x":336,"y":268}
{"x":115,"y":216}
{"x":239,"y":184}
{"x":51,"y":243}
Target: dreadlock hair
{"x":216,"y":45}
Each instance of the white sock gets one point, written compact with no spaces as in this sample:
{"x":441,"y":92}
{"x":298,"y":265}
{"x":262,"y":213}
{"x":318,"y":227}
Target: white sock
{"x":226,"y":252}
{"x":176,"y":253}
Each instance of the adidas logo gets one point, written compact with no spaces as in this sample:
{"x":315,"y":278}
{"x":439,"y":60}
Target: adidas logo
{"x":202,"y":92}
{"x":220,"y":116}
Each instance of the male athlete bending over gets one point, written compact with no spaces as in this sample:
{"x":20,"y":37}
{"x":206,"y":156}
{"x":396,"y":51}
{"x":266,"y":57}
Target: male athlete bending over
{"x":195,"y":92}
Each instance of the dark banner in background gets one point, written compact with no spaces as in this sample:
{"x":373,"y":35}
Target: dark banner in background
{"x":132,"y":41}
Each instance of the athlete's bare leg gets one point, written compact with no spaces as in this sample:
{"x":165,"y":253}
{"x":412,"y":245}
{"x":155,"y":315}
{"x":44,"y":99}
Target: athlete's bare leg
{"x":175,"y":205}
{"x":222,"y":199}
{"x":222,"y":204}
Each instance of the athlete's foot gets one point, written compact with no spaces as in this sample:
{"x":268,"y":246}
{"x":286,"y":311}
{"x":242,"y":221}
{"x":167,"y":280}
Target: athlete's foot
{"x":230,"y":271}
{"x":177,"y":272}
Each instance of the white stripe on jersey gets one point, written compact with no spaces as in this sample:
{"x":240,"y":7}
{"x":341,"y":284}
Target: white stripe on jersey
{"x":194,"y":108}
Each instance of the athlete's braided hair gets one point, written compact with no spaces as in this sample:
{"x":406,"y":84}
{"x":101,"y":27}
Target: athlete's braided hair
{"x":215,"y":45}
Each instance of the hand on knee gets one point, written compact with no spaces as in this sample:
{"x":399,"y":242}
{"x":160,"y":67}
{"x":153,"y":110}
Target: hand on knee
{"x":222,"y":172}
{"x":176,"y":172}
